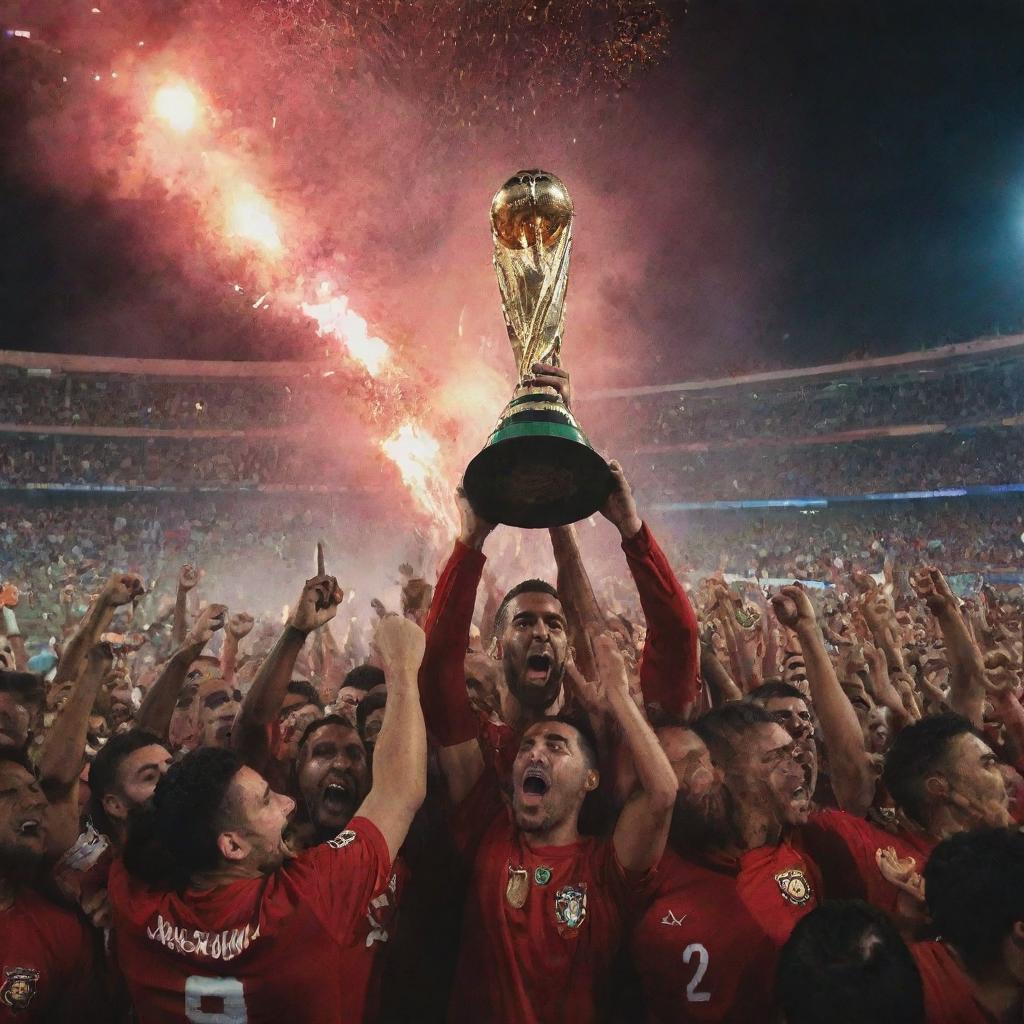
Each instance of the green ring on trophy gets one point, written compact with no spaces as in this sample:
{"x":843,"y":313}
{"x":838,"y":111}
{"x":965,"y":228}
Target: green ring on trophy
{"x":537,"y":469}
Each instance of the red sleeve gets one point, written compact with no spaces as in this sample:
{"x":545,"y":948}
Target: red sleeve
{"x":450,"y":719}
{"x":670,"y":667}
{"x":471,"y":819}
{"x":843,"y":847}
{"x":346,"y":873}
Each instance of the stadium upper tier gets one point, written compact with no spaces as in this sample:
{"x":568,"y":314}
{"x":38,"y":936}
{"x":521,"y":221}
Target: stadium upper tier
{"x":918,"y":392}
{"x":934,"y":421}
{"x":915,"y":393}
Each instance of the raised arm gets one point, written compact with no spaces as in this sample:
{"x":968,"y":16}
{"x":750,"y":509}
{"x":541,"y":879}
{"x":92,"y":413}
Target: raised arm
{"x":118,"y":590}
{"x":852,"y":779}
{"x":60,"y":759}
{"x":670,"y":666}
{"x":239,"y":626}
{"x":155,"y":714}
{"x":642,"y":829}
{"x":317,"y":605}
{"x":400,"y":753}
{"x":966,"y":668}
{"x":187,"y":579}
{"x":582,"y":611}
{"x":449,"y":718}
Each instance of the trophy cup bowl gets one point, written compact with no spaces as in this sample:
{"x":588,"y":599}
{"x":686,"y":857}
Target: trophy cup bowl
{"x":537,"y":469}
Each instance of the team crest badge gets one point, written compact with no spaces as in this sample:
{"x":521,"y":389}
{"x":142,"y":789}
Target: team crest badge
{"x":19,"y":987}
{"x":794,"y":887}
{"x":571,"y":906}
{"x":542,"y":876}
{"x":342,"y":839}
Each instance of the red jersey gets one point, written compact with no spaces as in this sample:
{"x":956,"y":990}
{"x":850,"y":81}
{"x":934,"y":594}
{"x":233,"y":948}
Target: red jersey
{"x":844,"y":846}
{"x":298,"y":945}
{"x":948,"y":997}
{"x":706,"y":947}
{"x":47,"y":964}
{"x":541,"y":927}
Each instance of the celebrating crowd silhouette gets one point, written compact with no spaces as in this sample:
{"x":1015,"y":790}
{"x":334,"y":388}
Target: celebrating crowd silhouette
{"x":738,"y":803}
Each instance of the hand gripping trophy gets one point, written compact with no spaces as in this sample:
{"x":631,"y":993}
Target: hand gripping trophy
{"x":537,"y":468}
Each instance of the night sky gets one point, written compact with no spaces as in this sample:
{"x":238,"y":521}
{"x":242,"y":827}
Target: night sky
{"x":867,"y":161}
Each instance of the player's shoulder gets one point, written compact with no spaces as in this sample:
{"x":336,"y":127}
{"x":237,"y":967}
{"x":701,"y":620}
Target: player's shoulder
{"x":39,"y":921}
{"x":360,"y":840}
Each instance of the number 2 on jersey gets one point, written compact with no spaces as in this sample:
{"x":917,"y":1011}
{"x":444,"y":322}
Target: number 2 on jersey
{"x":692,"y":995}
{"x":228,"y":992}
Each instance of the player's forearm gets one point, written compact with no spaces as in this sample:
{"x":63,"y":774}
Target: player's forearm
{"x":60,"y":760}
{"x":669,"y":667}
{"x":442,"y":676}
{"x":654,"y":772}
{"x":578,"y":598}
{"x":841,"y":732}
{"x":263,"y":702}
{"x":400,"y":753}
{"x":158,"y":706}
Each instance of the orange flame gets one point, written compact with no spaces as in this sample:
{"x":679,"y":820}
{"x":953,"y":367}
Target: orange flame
{"x":177,"y":106}
{"x":417,"y":454}
{"x":250,"y":217}
{"x":334,"y":317}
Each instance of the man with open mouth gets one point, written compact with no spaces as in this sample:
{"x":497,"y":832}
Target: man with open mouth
{"x":530,"y":632}
{"x":218,"y":917}
{"x":546,"y":905}
{"x":729,"y":889}
{"x":45,"y":950}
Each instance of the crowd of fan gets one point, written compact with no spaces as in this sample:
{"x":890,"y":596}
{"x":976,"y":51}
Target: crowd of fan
{"x":162,"y":462}
{"x":738,"y":807}
{"x":882,"y":465}
{"x":112,"y":400}
{"x":937,"y":461}
{"x":610,"y":800}
{"x":959,"y":536}
{"x":953,"y":394}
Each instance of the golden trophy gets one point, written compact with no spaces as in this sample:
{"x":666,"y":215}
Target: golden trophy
{"x":537,"y":468}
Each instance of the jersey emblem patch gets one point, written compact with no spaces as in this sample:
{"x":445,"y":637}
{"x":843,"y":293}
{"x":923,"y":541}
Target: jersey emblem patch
{"x":542,"y":876}
{"x":571,"y":905}
{"x":794,"y":887}
{"x":19,"y":987}
{"x":671,"y":919}
{"x":343,"y":839}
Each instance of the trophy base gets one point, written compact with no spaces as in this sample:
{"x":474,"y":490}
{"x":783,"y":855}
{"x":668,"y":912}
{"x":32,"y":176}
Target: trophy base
{"x":538,"y":469}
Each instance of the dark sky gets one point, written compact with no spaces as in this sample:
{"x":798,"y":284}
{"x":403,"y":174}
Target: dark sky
{"x":874,"y":150}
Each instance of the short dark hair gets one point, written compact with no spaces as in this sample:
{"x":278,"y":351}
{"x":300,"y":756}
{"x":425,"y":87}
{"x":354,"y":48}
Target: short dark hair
{"x":722,"y":728}
{"x":526,"y":587}
{"x":775,"y":689}
{"x":177,"y":836}
{"x":365,"y":677}
{"x":104,"y":768}
{"x":974,"y":892}
{"x":371,"y":702}
{"x":319,"y":723}
{"x":588,"y":739}
{"x":846,"y":963}
{"x":27,"y":686}
{"x":303,"y":688}
{"x":917,"y":751}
